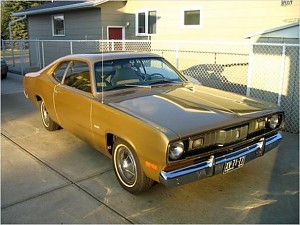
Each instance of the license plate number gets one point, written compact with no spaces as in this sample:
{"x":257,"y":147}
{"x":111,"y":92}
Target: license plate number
{"x":234,"y":164}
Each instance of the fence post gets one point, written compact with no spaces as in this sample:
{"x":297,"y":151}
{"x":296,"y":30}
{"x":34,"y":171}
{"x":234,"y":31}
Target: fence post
{"x":177,"y":55}
{"x":4,"y":49}
{"x":21,"y":56}
{"x":12,"y":53}
{"x":112,"y":45}
{"x":43,"y":55}
{"x":71,"y":47}
{"x":283,"y":56}
{"x":38,"y":54}
{"x":215,"y":58}
{"x":250,"y":70}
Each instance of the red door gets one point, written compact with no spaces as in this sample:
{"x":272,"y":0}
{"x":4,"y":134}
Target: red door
{"x":115,"y":33}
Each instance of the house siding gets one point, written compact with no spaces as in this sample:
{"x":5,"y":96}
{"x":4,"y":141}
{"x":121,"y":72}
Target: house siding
{"x":79,"y":24}
{"x":112,"y":15}
{"x":40,"y":27}
{"x":221,"y":20}
{"x":83,"y":24}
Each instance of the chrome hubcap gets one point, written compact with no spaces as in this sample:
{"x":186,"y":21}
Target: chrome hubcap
{"x":45,"y":115}
{"x":126,"y":165}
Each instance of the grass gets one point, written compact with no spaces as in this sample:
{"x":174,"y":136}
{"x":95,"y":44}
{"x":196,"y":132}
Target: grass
{"x":10,"y":52}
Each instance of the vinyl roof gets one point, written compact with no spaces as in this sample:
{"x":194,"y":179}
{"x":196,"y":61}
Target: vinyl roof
{"x":94,"y":57}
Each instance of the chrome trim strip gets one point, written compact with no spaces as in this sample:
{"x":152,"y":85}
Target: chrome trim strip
{"x":214,"y":165}
{"x":26,"y":95}
{"x":244,"y":151}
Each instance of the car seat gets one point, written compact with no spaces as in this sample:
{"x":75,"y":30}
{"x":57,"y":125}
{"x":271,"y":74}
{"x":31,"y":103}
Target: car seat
{"x":125,"y":75}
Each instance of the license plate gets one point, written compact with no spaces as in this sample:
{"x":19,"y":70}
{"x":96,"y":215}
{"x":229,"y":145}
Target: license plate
{"x":234,"y":164}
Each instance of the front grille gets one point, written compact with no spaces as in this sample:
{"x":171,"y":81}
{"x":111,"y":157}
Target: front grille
{"x":215,"y":141}
{"x":221,"y":137}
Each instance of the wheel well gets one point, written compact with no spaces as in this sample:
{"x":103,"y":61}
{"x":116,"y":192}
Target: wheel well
{"x":38,"y":98}
{"x":110,"y":140}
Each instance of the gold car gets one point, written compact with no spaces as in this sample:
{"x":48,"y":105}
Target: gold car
{"x":137,"y":109}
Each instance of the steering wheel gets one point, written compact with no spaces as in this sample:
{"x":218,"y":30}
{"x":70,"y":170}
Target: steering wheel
{"x":158,"y":75}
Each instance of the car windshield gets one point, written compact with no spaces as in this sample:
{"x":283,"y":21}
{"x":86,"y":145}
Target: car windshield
{"x":136,"y":72}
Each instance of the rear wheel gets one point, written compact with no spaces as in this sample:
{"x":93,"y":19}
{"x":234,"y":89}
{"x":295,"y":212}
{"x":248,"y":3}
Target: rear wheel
{"x":128,"y":169}
{"x":49,"y":124}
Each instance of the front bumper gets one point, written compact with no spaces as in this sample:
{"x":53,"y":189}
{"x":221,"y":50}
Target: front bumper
{"x":215,"y":165}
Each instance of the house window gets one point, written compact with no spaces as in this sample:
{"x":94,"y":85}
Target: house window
{"x":58,"y":25}
{"x":191,"y":17}
{"x":146,"y":22}
{"x":142,"y":23}
{"x":152,"y":22}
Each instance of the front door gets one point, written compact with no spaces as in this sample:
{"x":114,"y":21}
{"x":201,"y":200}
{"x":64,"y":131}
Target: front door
{"x":73,"y":100}
{"x":115,"y":33}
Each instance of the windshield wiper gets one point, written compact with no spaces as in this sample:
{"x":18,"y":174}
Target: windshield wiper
{"x":126,"y":86}
{"x":115,"y":87}
{"x":164,"y":81}
{"x":137,"y":85}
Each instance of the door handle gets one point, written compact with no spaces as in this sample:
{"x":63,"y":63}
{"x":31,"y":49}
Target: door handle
{"x":56,"y":91}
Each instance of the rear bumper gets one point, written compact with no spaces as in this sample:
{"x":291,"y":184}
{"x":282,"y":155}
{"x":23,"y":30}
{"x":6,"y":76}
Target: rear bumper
{"x":215,"y":165}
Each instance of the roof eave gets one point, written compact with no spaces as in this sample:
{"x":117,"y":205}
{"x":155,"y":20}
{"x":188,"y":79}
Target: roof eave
{"x":272,"y":30}
{"x":60,"y":8}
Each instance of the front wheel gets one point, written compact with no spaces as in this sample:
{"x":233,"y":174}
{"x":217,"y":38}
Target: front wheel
{"x":48,"y":123}
{"x":128,"y":169}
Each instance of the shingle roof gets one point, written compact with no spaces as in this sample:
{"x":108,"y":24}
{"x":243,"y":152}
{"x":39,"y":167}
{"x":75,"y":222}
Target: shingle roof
{"x":58,"y":5}
{"x":51,"y":5}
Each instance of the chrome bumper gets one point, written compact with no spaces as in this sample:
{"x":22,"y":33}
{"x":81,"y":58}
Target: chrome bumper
{"x":215,"y":165}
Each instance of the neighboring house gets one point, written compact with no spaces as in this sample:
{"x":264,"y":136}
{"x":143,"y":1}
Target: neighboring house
{"x":229,"y":20}
{"x":157,"y":20}
{"x":283,"y":34}
{"x":277,"y":60}
{"x":284,"y":60}
{"x":69,"y":20}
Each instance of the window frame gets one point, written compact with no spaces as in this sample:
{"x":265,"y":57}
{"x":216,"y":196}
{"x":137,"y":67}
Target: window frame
{"x":71,"y":64}
{"x":182,"y":12}
{"x":53,"y":24}
{"x":147,"y":14}
{"x":58,"y":67}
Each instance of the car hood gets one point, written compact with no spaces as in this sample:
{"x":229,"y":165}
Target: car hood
{"x":188,"y":109}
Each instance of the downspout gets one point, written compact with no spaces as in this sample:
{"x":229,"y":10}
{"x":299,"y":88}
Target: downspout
{"x":12,"y":22}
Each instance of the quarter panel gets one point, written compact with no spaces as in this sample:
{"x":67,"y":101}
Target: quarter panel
{"x":41,"y":85}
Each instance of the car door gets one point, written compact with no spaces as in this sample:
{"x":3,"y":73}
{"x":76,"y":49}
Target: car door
{"x":73,"y":100}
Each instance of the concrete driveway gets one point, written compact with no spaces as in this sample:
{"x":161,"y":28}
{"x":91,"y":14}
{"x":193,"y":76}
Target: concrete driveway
{"x":53,"y":177}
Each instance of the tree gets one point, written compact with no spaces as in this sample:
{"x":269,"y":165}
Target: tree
{"x":19,"y":29}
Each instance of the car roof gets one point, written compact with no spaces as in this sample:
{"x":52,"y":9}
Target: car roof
{"x":95,"y":57}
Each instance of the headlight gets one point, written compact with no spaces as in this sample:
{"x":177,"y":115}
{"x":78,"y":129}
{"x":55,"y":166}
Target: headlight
{"x":274,"y":121}
{"x":176,"y":150}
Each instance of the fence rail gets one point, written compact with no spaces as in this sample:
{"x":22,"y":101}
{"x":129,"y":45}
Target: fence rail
{"x":267,"y":71}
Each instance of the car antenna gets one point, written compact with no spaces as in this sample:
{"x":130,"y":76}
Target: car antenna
{"x":102,"y":74}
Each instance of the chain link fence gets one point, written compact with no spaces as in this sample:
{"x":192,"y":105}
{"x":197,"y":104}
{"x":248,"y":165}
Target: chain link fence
{"x":266,"y":71}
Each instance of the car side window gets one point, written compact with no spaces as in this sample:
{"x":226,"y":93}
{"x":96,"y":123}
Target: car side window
{"x":78,"y":76}
{"x":60,"y":71}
